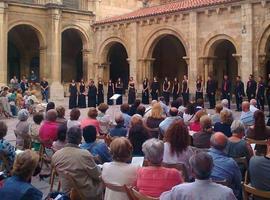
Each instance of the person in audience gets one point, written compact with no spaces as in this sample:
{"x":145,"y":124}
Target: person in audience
{"x":4,"y":104}
{"x":225,"y":125}
{"x":155,"y":179}
{"x":91,"y":119}
{"x":34,"y":130}
{"x":118,"y":171}
{"x":246,"y":115}
{"x":165,"y":107}
{"x":225,"y":168}
{"x":199,"y":105}
{"x":119,"y":130}
{"x":253,"y":105}
{"x":61,"y":138}
{"x":181,"y":107}
{"x":134,"y":107}
{"x":71,"y":161}
{"x":74,"y":118}
{"x":148,"y":111}
{"x":23,"y":139}
{"x":140,"y":110}
{"x":50,"y":106}
{"x":177,"y":147}
{"x":195,"y":125}
{"x":202,"y":138}
{"x":61,"y":115}
{"x":259,"y":131}
{"x":203,"y":188}
{"x":125,"y":110}
{"x":18,"y":186}
{"x":104,"y":119}
{"x":225,"y":106}
{"x":97,"y":148}
{"x":6,"y":149}
{"x":165,"y":124}
{"x":189,"y":113}
{"x":216,"y":117}
{"x":49,"y":129}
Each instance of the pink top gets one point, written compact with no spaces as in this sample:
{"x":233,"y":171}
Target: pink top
{"x":48,"y":133}
{"x":93,"y":122}
{"x":195,"y":126}
{"x":152,"y":181}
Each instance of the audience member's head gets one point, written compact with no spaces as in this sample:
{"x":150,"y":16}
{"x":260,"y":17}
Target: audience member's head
{"x":3,"y":129}
{"x":156,"y":111}
{"x":253,"y":102}
{"x":219,"y":141}
{"x":200,"y":102}
{"x":226,"y":117}
{"x":50,"y":106}
{"x":60,"y":111}
{"x":74,"y":135}
{"x":206,"y":123}
{"x":124,"y":108}
{"x":51,"y":115}
{"x":92,"y":113}
{"x":173,"y":111}
{"x":103,"y":107}
{"x":225,"y":103}
{"x":199,"y":114}
{"x":89,"y":134}
{"x":62,"y":133}
{"x":245,"y":106}
{"x":137,"y":103}
{"x":238,"y":128}
{"x":180,"y":101}
{"x":74,"y":114}
{"x":38,"y":117}
{"x":175,"y":104}
{"x":190,"y":109}
{"x":153,"y":150}
{"x":218,"y":108}
{"x":141,"y":110}
{"x":153,"y":102}
{"x":119,"y":119}
{"x":135,"y":120}
{"x":121,"y":149}
{"x":23,"y":115}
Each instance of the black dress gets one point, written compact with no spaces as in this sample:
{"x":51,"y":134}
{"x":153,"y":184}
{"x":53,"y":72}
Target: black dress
{"x":92,"y":96}
{"x":166,"y":94}
{"x":73,"y":96}
{"x":131,"y":93}
{"x":100,"y":93}
{"x":119,"y":90}
{"x":185,"y":92}
{"x":81,"y":97}
{"x":175,"y":90}
{"x":145,"y":93}
{"x":110,"y":94}
{"x":199,"y":93}
{"x":154,"y":90}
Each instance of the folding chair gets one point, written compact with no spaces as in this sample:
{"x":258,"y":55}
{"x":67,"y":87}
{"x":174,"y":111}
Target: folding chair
{"x":75,"y":193}
{"x":180,"y":167}
{"x":52,"y":180}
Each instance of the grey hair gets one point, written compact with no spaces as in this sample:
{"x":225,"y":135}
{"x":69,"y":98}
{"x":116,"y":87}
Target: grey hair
{"x":253,"y":102}
{"x":74,"y":135}
{"x":153,"y":150}
{"x":225,"y":102}
{"x":23,"y":115}
{"x":237,"y":127}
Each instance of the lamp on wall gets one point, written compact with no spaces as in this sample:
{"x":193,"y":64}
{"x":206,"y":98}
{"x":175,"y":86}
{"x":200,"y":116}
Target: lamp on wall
{"x":244,"y":30}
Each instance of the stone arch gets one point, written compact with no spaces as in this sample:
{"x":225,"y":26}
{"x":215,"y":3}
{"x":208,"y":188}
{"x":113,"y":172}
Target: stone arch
{"x":263,"y":40}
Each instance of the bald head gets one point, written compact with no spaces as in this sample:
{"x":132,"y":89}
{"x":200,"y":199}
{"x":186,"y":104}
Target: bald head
{"x":51,"y":115}
{"x":119,"y":119}
{"x":245,"y":106}
{"x":173,"y":111}
{"x":219,"y":141}
{"x":153,"y":102}
{"x":253,"y":102}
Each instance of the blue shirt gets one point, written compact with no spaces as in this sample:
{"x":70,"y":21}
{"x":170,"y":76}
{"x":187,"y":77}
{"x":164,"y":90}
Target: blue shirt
{"x":224,"y":128}
{"x":16,"y":189}
{"x":98,"y":149}
{"x":127,"y":119}
{"x":118,"y":131}
{"x":226,"y":168}
{"x":164,"y":125}
{"x":247,"y":118}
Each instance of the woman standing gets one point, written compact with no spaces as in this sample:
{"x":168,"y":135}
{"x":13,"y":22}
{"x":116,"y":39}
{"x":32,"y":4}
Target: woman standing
{"x":73,"y":94}
{"x":110,"y":92}
{"x":145,"y":91}
{"x":100,"y":91}
{"x":176,"y":88}
{"x":185,"y":90}
{"x":154,"y":89}
{"x":119,"y":86}
{"x":166,"y":90}
{"x":199,"y":88}
{"x":131,"y":91}
{"x":92,"y":94}
{"x":81,"y":97}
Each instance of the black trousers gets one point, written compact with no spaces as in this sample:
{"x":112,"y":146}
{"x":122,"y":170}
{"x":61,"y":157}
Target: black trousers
{"x":166,"y":96}
{"x":260,"y":102}
{"x":228,"y":97}
{"x":250,"y":96}
{"x":239,"y":101}
{"x":185,"y":98}
{"x":199,"y":95}
{"x":212,"y":100}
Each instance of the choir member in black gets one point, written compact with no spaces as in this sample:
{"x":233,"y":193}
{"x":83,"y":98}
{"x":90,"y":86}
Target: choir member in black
{"x":239,"y":93}
{"x":92,"y":94}
{"x":155,"y":89}
{"x":211,"y":92}
{"x":166,"y":90}
{"x":73,"y":92}
{"x":176,"y":89}
{"x":110,"y":92}
{"x":199,"y":88}
{"x":185,"y":90}
{"x":131,"y":91}
{"x":81,"y":97}
{"x":119,"y":87}
{"x":268,"y":93}
{"x":145,"y":91}
{"x":260,"y":94}
{"x":226,"y":90}
{"x":251,"y":88}
{"x":100,"y":96}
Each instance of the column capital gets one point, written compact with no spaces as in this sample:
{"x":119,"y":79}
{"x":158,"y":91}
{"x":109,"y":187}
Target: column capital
{"x":186,"y":58}
{"x":238,"y":57}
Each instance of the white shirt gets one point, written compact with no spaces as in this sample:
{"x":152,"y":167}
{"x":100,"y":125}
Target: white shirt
{"x":71,"y":123}
{"x":252,"y":108}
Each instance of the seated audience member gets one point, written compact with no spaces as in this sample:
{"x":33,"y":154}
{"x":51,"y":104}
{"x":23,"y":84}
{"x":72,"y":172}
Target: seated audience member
{"x":165,"y":124}
{"x":216,"y":117}
{"x":61,"y":138}
{"x":91,"y":119}
{"x":79,"y":164}
{"x":6,"y":149}
{"x":259,"y":171}
{"x":225,"y":125}
{"x":74,"y":118}
{"x":18,"y":186}
{"x":253,"y":105}
{"x":199,"y":105}
{"x":181,"y":107}
{"x":119,"y":130}
{"x":34,"y":130}
{"x":118,"y":171}
{"x":133,"y":108}
{"x":97,"y":148}
{"x":202,"y":138}
{"x":189,"y":113}
{"x":165,"y":107}
{"x":225,"y":168}
{"x":195,"y":125}
{"x":259,"y":131}
{"x":155,"y":179}
{"x":61,"y":115}
{"x":50,"y":106}
{"x":125,"y":110}
{"x":246,"y":115}
{"x":203,"y":188}
{"x":149,"y":109}
{"x":49,"y":129}
{"x":4,"y":104}
{"x":23,"y":139}
{"x":140,"y":110}
{"x":176,"y":146}
{"x":225,"y":104}
{"x":104,"y":119}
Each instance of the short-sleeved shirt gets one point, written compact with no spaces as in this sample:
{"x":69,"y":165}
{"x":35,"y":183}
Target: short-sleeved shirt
{"x":44,"y":84}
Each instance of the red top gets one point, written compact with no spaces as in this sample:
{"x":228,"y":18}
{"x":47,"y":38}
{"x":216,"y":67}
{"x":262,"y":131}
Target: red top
{"x":152,"y":181}
{"x":48,"y":133}
{"x":93,"y":122}
{"x":195,"y":126}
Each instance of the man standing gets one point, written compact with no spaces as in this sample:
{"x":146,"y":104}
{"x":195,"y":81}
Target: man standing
{"x":260,"y":94}
{"x":226,"y":90}
{"x":211,"y":92}
{"x":44,"y":85}
{"x":239,"y":93}
{"x":251,"y":88}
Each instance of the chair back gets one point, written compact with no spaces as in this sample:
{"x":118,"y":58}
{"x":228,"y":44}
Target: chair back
{"x":180,"y":167}
{"x":52,"y":180}
{"x":259,"y":142}
{"x":75,"y":193}
{"x":141,"y":196}
{"x":4,"y":160}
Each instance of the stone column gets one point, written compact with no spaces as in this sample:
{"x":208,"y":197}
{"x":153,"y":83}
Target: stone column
{"x":3,"y":45}
{"x":262,"y":59}
{"x":85,"y":54}
{"x":43,"y":69}
{"x":238,"y":59}
{"x":133,"y":51}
